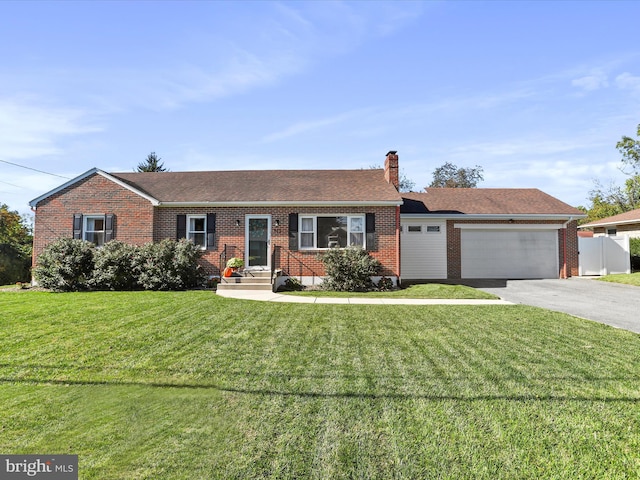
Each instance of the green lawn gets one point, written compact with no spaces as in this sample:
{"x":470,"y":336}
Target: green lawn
{"x":428,"y":290}
{"x":628,"y":279}
{"x":188,"y":385}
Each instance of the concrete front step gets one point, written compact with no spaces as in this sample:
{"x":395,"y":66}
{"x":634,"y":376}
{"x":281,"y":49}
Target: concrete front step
{"x":245,"y":286}
{"x":247,"y":280}
{"x":239,"y":279}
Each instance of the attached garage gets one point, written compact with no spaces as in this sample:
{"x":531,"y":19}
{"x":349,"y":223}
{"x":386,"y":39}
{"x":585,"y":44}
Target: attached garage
{"x":509,"y":252}
{"x":424,"y":249}
{"x":500,"y":233}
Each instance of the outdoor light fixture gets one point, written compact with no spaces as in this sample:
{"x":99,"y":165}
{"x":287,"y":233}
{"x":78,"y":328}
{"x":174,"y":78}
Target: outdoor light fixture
{"x":237,"y":223}
{"x":277,"y":222}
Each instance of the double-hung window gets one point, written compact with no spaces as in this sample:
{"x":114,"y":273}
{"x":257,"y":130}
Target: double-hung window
{"x":196,"y":230}
{"x":94,"y":229}
{"x":332,"y":231}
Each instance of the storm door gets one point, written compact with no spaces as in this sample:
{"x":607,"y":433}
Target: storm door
{"x":258,"y":242}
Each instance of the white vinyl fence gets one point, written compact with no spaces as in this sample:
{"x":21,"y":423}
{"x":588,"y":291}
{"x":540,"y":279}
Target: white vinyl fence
{"x":604,"y":255}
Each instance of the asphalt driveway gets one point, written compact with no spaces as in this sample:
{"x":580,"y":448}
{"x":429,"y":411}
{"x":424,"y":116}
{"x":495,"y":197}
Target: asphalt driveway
{"x":611,"y":303}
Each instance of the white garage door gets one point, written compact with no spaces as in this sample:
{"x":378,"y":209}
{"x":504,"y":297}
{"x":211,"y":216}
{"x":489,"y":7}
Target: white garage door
{"x":423,"y":249}
{"x":509,"y":253}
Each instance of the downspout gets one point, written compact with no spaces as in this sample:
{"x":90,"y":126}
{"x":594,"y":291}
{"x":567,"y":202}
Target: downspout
{"x":398,"y":256}
{"x":564,"y":247}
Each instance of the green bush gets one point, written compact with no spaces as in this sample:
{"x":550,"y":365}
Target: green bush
{"x":168,"y":265}
{"x":349,"y":269}
{"x":72,"y":265}
{"x":65,"y":265}
{"x":385,"y":284}
{"x":113,"y":267}
{"x":14,"y":265}
{"x":292,"y":284}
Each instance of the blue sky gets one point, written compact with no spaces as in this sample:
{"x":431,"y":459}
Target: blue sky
{"x":537,"y":93}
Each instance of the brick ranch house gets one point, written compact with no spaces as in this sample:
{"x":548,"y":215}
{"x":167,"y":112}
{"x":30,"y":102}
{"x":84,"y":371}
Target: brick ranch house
{"x":282,"y":219}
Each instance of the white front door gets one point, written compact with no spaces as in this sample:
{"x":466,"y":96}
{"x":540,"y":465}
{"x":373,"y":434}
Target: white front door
{"x":258,"y":242}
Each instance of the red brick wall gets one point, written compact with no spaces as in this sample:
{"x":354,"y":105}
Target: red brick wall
{"x":571,"y":248}
{"x":454,"y":266}
{"x":93,"y":195}
{"x":302,"y":262}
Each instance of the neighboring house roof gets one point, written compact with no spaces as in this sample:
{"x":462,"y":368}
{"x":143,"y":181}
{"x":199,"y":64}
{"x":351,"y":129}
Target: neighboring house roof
{"x":486,"y":202}
{"x":277,"y":187}
{"x":621,"y":219}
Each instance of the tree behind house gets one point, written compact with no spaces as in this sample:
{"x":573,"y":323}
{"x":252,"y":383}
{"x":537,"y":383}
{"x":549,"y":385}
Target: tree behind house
{"x":452,"y":176}
{"x":615,"y":199}
{"x":151,"y":164}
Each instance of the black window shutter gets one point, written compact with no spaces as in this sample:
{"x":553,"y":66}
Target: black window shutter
{"x":77,"y":226}
{"x":371,"y":231}
{"x":293,"y":231}
{"x":181,"y":229}
{"x":109,"y":227}
{"x":211,"y":230}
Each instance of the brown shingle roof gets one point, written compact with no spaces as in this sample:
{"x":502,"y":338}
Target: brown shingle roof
{"x":627,"y":217}
{"x":332,"y":186}
{"x":486,"y":201}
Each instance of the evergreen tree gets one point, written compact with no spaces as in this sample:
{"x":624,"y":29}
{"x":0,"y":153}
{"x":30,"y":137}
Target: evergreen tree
{"x":151,"y":164}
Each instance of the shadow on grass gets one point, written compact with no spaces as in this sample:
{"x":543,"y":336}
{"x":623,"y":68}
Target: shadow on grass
{"x":340,"y":395}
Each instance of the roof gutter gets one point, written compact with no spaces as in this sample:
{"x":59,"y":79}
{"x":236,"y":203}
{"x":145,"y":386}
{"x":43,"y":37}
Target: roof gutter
{"x":607,"y":224}
{"x":488,"y":216}
{"x":283,"y":203}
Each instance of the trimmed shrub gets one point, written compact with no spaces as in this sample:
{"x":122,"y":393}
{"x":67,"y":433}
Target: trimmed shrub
{"x":168,"y":265}
{"x":113,"y":267}
{"x":71,"y":265}
{"x":65,"y":265}
{"x":349,"y":269}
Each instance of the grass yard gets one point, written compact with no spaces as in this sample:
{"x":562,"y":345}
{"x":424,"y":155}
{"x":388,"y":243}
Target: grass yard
{"x":187,"y":385}
{"x":427,"y":290}
{"x":626,"y":278}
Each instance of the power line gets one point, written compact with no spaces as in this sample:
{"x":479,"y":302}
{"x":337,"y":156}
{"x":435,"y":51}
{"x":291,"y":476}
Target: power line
{"x":12,"y":184}
{"x":34,"y":169}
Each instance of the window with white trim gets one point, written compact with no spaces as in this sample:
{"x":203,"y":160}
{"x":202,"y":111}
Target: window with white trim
{"x":414,"y":228}
{"x":94,"y":230}
{"x":197,"y":230}
{"x":433,"y":228}
{"x":335,"y":231}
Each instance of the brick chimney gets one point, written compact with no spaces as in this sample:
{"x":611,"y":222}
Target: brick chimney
{"x":391,"y":174}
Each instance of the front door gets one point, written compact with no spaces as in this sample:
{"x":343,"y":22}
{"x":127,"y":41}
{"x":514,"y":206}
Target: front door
{"x":258,"y":242}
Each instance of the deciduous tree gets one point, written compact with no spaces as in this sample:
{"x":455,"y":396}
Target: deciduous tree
{"x":452,"y":176}
{"x":15,"y":247}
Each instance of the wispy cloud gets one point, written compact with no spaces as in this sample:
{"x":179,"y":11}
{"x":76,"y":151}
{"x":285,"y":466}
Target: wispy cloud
{"x":525,"y":147}
{"x":308,"y":126}
{"x":591,"y":82}
{"x":627,"y":81}
{"x":30,"y":128}
{"x":288,"y":40}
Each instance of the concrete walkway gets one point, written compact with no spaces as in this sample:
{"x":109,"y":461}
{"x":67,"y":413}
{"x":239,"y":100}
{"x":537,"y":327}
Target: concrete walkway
{"x":266,"y":296}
